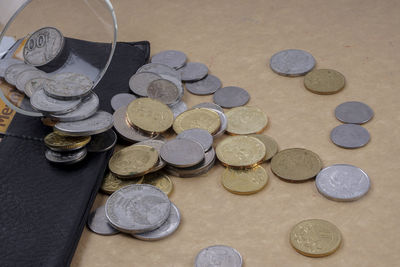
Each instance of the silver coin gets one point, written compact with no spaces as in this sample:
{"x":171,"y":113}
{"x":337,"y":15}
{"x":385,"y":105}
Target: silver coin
{"x":171,"y":58}
{"x":102,"y":142}
{"x":207,"y":86}
{"x":156,"y":144}
{"x":5,"y":63}
{"x":43,"y":46}
{"x":127,"y":132}
{"x":231,"y":96}
{"x":201,"y":136}
{"x":177,"y":82}
{"x":137,"y":208}
{"x":165,"y":230}
{"x":209,"y":105}
{"x":350,"y":136}
{"x":354,"y":112}
{"x":34,"y":85}
{"x":292,"y":62}
{"x":164,"y":91}
{"x":100,"y":122}
{"x":121,"y":100}
{"x":66,"y":158}
{"x":98,"y":222}
{"x":159,"y":69}
{"x":11,"y":73}
{"x":193,"y":71}
{"x":139,"y":82}
{"x":342,"y":182}
{"x":25,"y":76}
{"x":178,"y":108}
{"x":68,"y":85}
{"x":46,"y":104}
{"x":219,"y":255}
{"x":182,"y":153}
{"x":87,"y":108}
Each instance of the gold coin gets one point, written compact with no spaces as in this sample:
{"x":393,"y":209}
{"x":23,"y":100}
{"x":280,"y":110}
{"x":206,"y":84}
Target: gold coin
{"x":133,"y":161}
{"x":49,"y":121}
{"x":240,"y":151}
{"x":245,"y":182}
{"x":270,"y":145}
{"x":246,"y":120}
{"x":159,"y":180}
{"x":65,"y":143}
{"x":296,"y":164}
{"x":324,"y":81}
{"x":197,"y":118}
{"x":315,"y":238}
{"x":149,"y":115}
{"x":112,"y":183}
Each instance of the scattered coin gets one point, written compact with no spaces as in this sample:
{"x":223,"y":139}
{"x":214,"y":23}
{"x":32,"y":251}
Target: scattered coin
{"x":98,"y":222}
{"x":354,"y":112}
{"x":178,"y":108}
{"x":27,"y":75}
{"x":102,"y":142}
{"x":164,"y":91}
{"x":159,"y":180}
{"x":270,"y":145}
{"x":210,"y":106}
{"x":246,"y":120}
{"x":350,"y":136}
{"x":197,"y":118}
{"x":140,"y":81}
{"x":68,"y":85}
{"x":315,"y":238}
{"x":112,"y":183}
{"x":6,"y":62}
{"x":182,"y":153}
{"x":193,"y":71}
{"x":219,"y":255}
{"x":231,"y":96}
{"x":66,"y":158}
{"x":87,"y":108}
{"x":46,"y":104}
{"x":292,"y":62}
{"x":65,"y":143}
{"x":121,"y":100}
{"x":206,"y":86}
{"x":245,"y":182}
{"x":172,"y":58}
{"x":159,"y":69}
{"x":201,"y":136}
{"x":11,"y":73}
{"x":156,"y":144}
{"x":324,"y":81}
{"x":34,"y":85}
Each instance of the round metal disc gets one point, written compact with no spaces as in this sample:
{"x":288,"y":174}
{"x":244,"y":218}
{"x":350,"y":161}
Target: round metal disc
{"x":231,"y":96}
{"x":121,"y":100}
{"x":34,"y":85}
{"x":207,"y":86}
{"x":324,"y":81}
{"x":193,"y":71}
{"x":156,"y":144}
{"x":182,"y":153}
{"x":66,"y":158}
{"x":26,"y":76}
{"x":178,"y":108}
{"x":102,"y":142}
{"x":5,"y":63}
{"x":172,"y":58}
{"x":350,"y":136}
{"x":68,"y":85}
{"x":164,"y":91}
{"x":140,"y":81}
{"x":11,"y":73}
{"x":86,"y":109}
{"x":292,"y":62}
{"x":354,"y":112}
{"x":46,"y":104}
{"x":98,"y":222}
{"x":201,"y":136}
{"x":222,"y":256}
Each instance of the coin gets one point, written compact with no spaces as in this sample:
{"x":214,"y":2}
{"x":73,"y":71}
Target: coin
{"x":240,"y":151}
{"x":178,"y":108}
{"x":166,"y":229}
{"x":207,"y":86}
{"x":149,"y":115}
{"x":315,"y":238}
{"x":224,"y":124}
{"x":102,"y":142}
{"x":65,"y":143}
{"x":231,"y":96}
{"x":219,"y":255}
{"x":246,"y":120}
{"x":177,"y":82}
{"x":324,"y":81}
{"x":244,"y":182}
{"x":112,"y":183}
{"x":159,"y":69}
{"x":270,"y":145}
{"x":197,"y":118}
{"x":201,"y":136}
{"x":209,"y":105}
{"x":160,"y":181}
{"x":292,"y":62}
{"x":121,"y":100}
{"x":164,"y":91}
{"x":296,"y":164}
{"x":66,"y":158}
{"x":100,"y":122}
{"x":156,"y":144}
{"x":43,"y":46}
{"x":137,"y":208}
{"x":87,"y":108}
{"x":182,"y":153}
{"x":139,"y":82}
{"x":46,"y":104}
{"x":350,"y":136}
{"x":27,"y":75}
{"x":11,"y":73}
{"x":354,"y":112}
{"x":193,"y":71}
{"x":6,"y":62}
{"x":342,"y":182}
{"x":98,"y":222}
{"x":172,"y":58}
{"x":34,"y":85}
{"x":68,"y":85}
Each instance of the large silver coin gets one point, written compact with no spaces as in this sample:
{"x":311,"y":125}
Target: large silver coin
{"x":68,"y":86}
{"x":159,"y":69}
{"x":34,"y":85}
{"x":165,"y":230}
{"x":98,"y":222}
{"x":27,"y":75}
{"x":207,"y":86}
{"x":342,"y":182}
{"x":209,"y":105}
{"x":43,"y":46}
{"x":178,"y":108}
{"x":219,"y":255}
{"x":164,"y":91}
{"x":171,"y":58}
{"x":121,"y":100}
{"x":11,"y":73}
{"x":292,"y":62}
{"x":354,"y":112}
{"x":350,"y":136}
{"x":193,"y":71}
{"x":100,"y":122}
{"x":182,"y":153}
{"x":156,"y":144}
{"x":138,"y":208}
{"x":139,"y":82}
{"x":102,"y":142}
{"x":231,"y":96}
{"x":86,"y":109}
{"x":5,"y":63}
{"x":66,"y":158}
{"x":201,"y":136}
{"x":46,"y":104}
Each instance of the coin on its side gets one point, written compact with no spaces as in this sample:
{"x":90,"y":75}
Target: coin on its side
{"x":292,"y":62}
{"x":231,"y":96}
{"x":324,"y":81}
{"x":246,"y":120}
{"x":112,"y":183}
{"x":193,"y":71}
{"x":207,"y":86}
{"x":182,"y":153}
{"x":245,"y":182}
{"x":296,"y":164}
{"x":121,"y":100}
{"x":222,"y":255}
{"x":315,"y":238}
{"x":66,"y":158}
{"x":139,"y":82}
{"x":164,"y":91}
{"x":172,"y":58}
{"x":98,"y":222}
{"x":354,"y":112}
{"x":350,"y":136}
{"x":68,"y":85}
{"x":270,"y":145}
{"x":65,"y":143}
{"x":203,"y":137}
{"x":159,"y":180}
{"x":102,"y":142}
{"x":197,"y":118}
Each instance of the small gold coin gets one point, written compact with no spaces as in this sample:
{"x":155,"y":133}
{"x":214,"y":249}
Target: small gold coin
{"x":159,"y":180}
{"x":315,"y":238}
{"x":133,"y":161}
{"x":112,"y":183}
{"x":197,"y":118}
{"x":296,"y":164}
{"x":149,"y":115}
{"x":244,"y":182}
{"x":246,"y":120}
{"x":240,"y":151}
{"x":324,"y":81}
{"x":270,"y":145}
{"x":65,"y":143}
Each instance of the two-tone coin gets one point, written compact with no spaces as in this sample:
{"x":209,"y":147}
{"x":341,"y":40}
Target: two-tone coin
{"x":206,"y":86}
{"x":66,"y":158}
{"x":99,"y":224}
{"x":350,"y":136}
{"x":121,"y":100}
{"x":231,"y":96}
{"x":46,"y":104}
{"x":354,"y":112}
{"x":292,"y":62}
{"x":246,"y":181}
{"x":87,"y":108}
{"x":324,"y":81}
{"x":218,"y":255}
{"x":102,"y":142}
{"x":201,"y":136}
{"x":182,"y":153}
{"x":65,"y":143}
{"x":68,"y":85}
{"x":172,"y":58}
{"x":140,"y":81}
{"x":193,"y":71}
{"x":246,"y":120}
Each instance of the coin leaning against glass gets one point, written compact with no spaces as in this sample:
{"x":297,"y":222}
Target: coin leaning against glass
{"x":182,"y":153}
{"x":350,"y":136}
{"x":68,"y":85}
{"x":354,"y":112}
{"x":66,"y":158}
{"x":65,"y":143}
{"x":172,"y":58}
{"x":231,"y":96}
{"x":246,"y":120}
{"x":99,"y":224}
{"x":46,"y":104}
{"x":224,"y":255}
{"x":292,"y":62}
{"x":245,"y":182}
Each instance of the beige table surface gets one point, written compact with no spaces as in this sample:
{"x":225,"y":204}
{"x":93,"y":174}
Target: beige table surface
{"x":235,"y":39}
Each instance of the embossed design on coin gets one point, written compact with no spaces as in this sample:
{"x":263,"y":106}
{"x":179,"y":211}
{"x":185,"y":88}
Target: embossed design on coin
{"x":156,"y":144}
{"x":245,"y":182}
{"x":140,"y":81}
{"x":182,"y":153}
{"x":350,"y":136}
{"x":292,"y":62}
{"x":270,"y":145}
{"x":98,"y":222}
{"x":65,"y":143}
{"x":68,"y":86}
{"x":66,"y":157}
{"x":159,"y":180}
{"x":46,"y":104}
{"x":172,"y":58}
{"x":203,"y":137}
{"x":246,"y":120}
{"x":87,"y":108}
{"x":121,"y":100}
{"x":354,"y":112}
{"x":193,"y":71}
{"x":164,"y":91}
{"x":207,"y":86}
{"x":197,"y":118}
{"x":231,"y":96}
{"x":159,"y":69}
{"x":102,"y":142}
{"x":112,"y":183}
{"x":219,"y":255}
{"x":324,"y":81}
